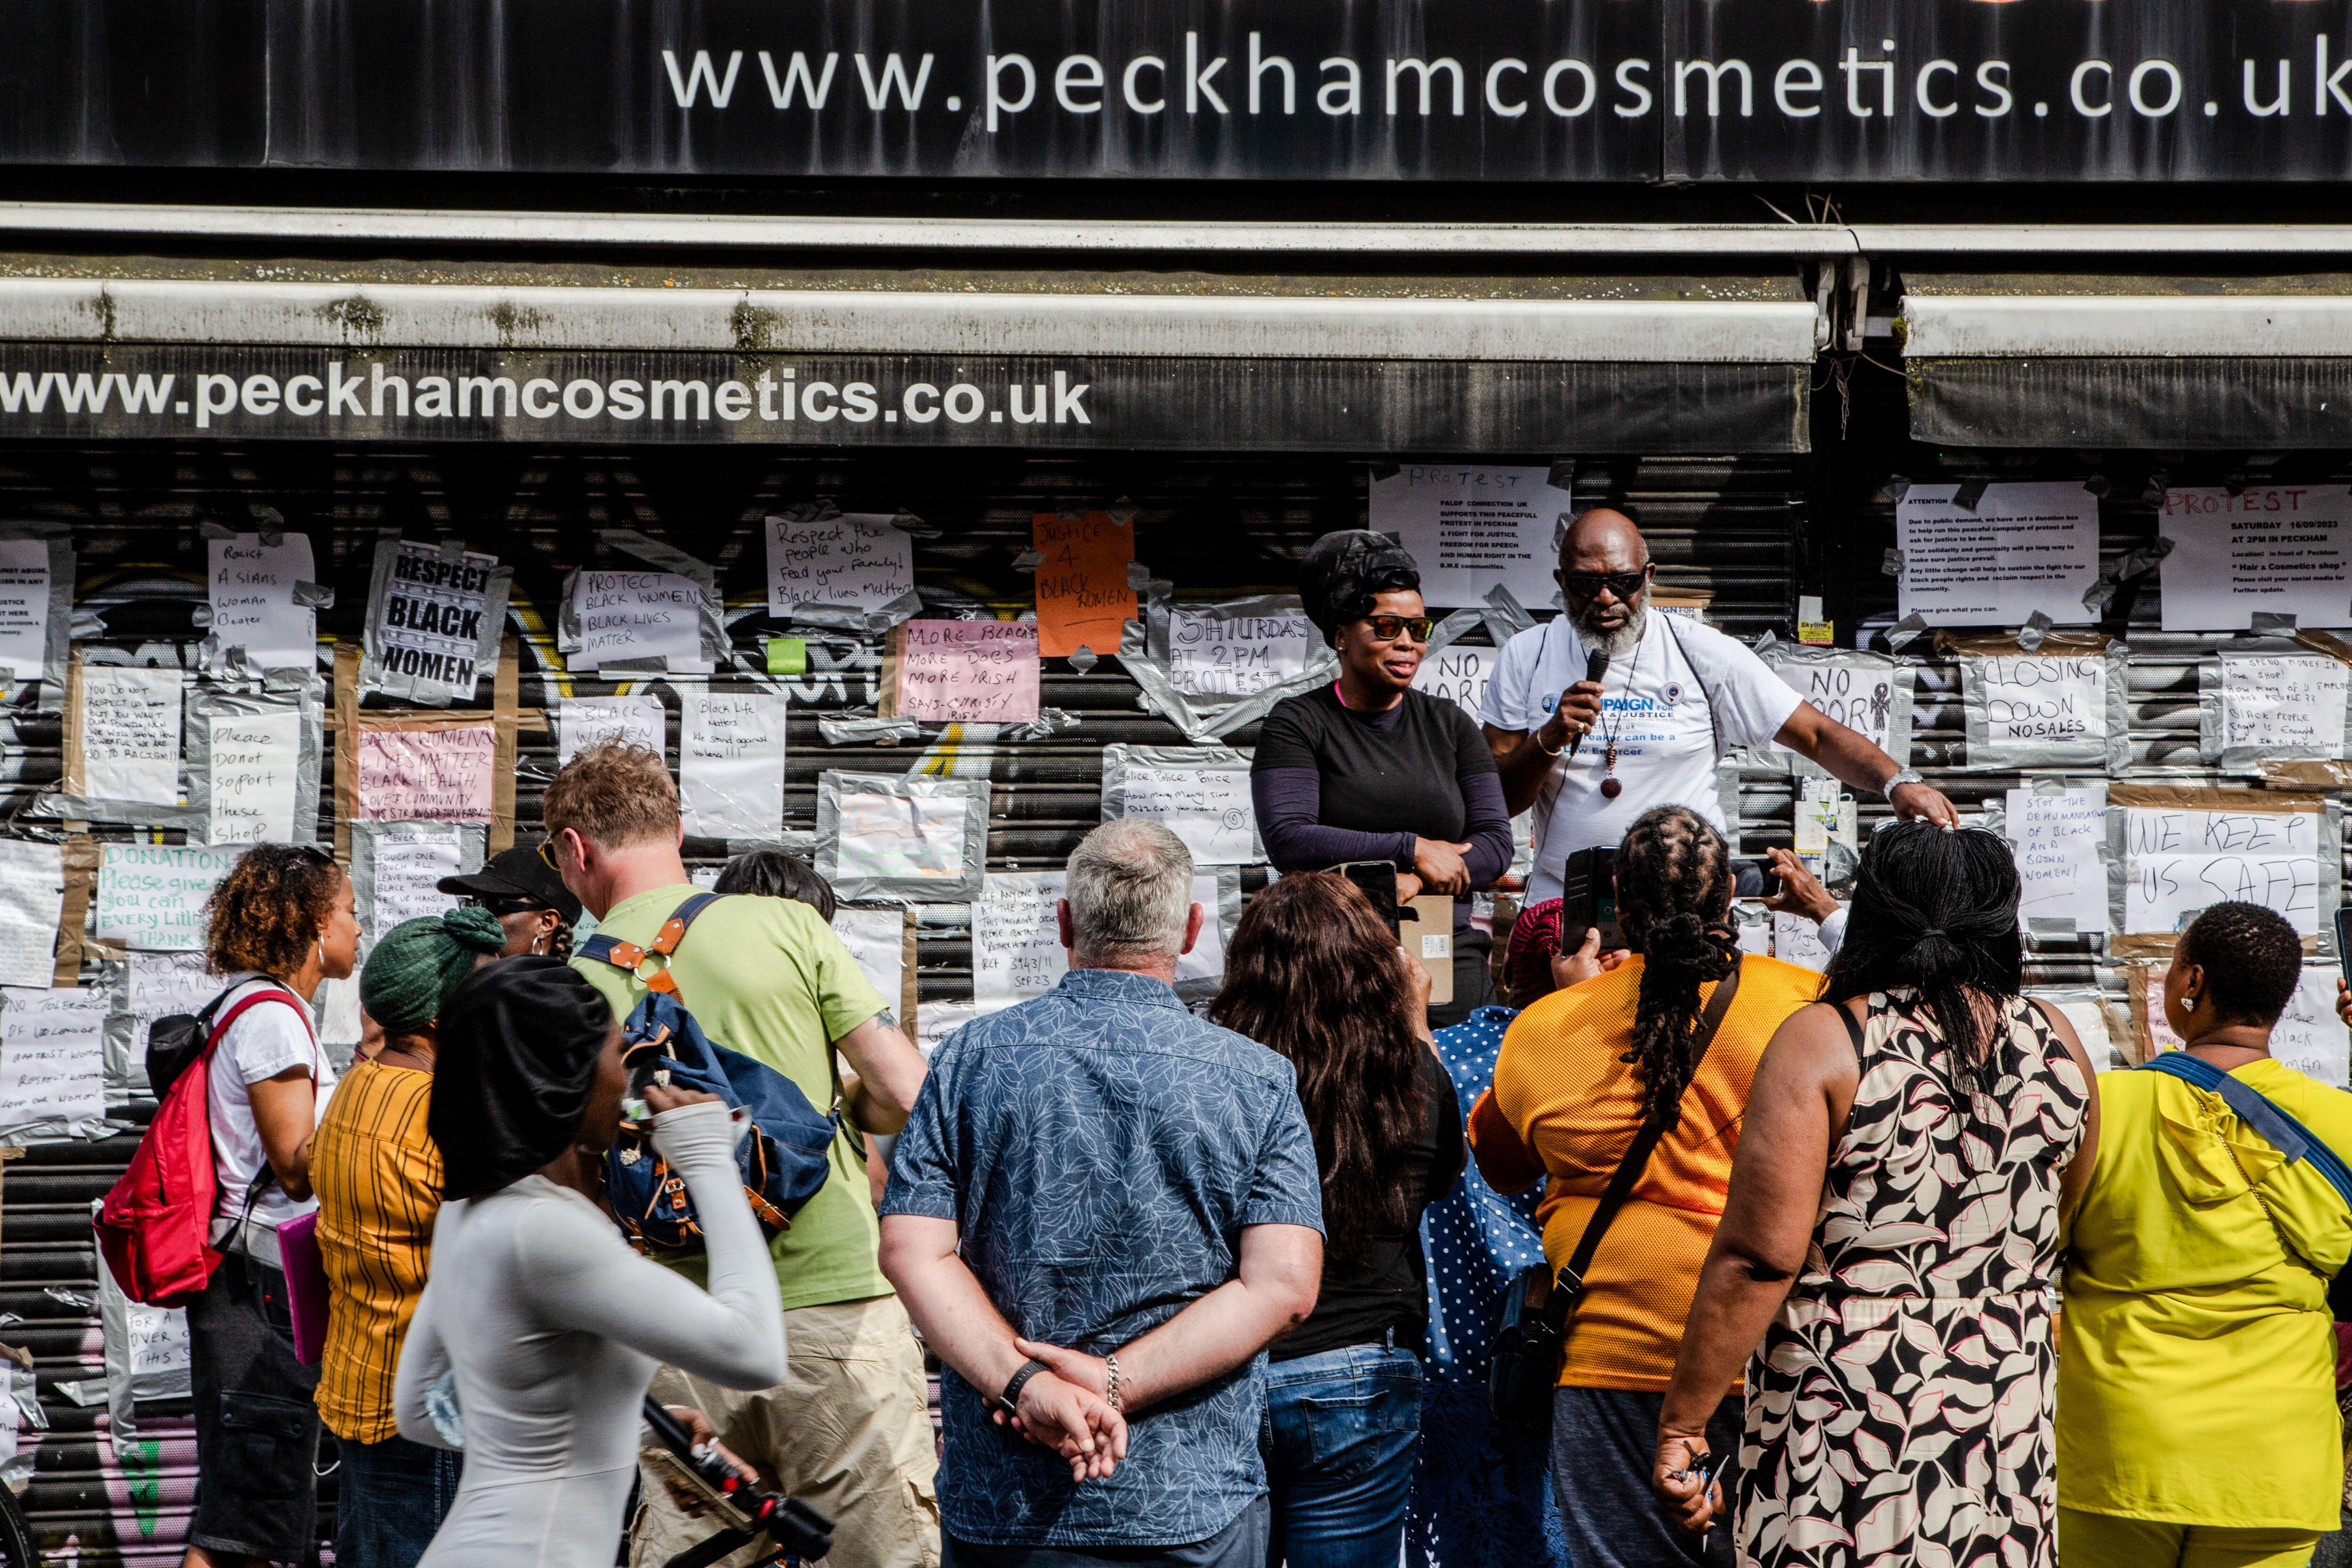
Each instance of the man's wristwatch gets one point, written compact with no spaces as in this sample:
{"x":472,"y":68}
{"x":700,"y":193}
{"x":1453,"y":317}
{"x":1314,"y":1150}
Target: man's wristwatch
{"x":1902,"y":776}
{"x":1010,"y":1400}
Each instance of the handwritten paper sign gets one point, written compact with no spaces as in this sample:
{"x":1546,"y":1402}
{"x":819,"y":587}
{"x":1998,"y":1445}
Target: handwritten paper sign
{"x":1236,"y":655}
{"x":1207,"y":806}
{"x":1016,"y":946}
{"x":2284,"y":703}
{"x":1796,"y":939}
{"x":252,"y":590}
{"x":152,"y":896}
{"x":32,"y":897}
{"x":1859,"y":696}
{"x":427,"y":776}
{"x":890,"y":836}
{"x":856,"y":561}
{"x":2058,"y":838}
{"x":52,"y":1056}
{"x":429,"y":625}
{"x":730,"y":764}
{"x":2279,"y":547}
{"x":2035,"y":701}
{"x":2309,"y":1036}
{"x":158,"y":983}
{"x":23,"y":606}
{"x":639,"y":614}
{"x":1459,"y":672}
{"x":2024,"y":547}
{"x":584,"y":722}
{"x":131,"y":735}
{"x":2178,"y":861}
{"x":981,"y":673}
{"x":876,"y":939}
{"x":1083,"y":596}
{"x":256,"y":766}
{"x":1471,"y":527}
{"x":2158,"y":1028}
{"x":407,"y":867}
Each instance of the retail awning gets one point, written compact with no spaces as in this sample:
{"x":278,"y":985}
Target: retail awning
{"x":2036,"y":360}
{"x":905,"y":356}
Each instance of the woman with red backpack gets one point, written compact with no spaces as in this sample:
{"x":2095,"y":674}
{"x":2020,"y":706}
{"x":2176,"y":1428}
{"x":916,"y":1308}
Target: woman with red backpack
{"x":280,"y":925}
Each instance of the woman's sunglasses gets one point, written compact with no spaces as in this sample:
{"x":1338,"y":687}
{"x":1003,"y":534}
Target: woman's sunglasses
{"x":1389,"y":628}
{"x":503,"y":907}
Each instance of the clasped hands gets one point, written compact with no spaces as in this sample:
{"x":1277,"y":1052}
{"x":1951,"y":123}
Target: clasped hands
{"x":1066,"y":1408}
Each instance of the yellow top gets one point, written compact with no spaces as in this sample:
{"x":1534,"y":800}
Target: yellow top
{"x":1564,"y":1101}
{"x":2197,"y":1359}
{"x":378,"y":1179}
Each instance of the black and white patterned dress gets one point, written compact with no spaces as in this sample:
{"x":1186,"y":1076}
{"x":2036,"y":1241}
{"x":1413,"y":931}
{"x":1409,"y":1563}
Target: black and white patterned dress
{"x":1899,"y":1408}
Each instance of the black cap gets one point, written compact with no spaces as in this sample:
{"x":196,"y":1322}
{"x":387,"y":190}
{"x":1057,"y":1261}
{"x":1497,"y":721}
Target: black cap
{"x":517,"y":873}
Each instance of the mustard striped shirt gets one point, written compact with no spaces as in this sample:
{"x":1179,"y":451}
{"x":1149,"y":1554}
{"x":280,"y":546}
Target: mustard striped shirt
{"x":378,"y":1180}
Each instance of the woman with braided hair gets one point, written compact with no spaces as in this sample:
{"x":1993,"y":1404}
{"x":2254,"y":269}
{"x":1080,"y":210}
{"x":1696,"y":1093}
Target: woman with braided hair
{"x":1580,"y":1073}
{"x":1888,"y":1256}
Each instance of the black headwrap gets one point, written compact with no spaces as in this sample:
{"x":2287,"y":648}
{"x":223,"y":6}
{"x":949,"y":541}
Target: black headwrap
{"x":1342,"y":570}
{"x":518,"y":1051}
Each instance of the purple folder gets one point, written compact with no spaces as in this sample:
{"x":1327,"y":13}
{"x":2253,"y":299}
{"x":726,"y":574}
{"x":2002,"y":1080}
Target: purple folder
{"x":306,"y":1285}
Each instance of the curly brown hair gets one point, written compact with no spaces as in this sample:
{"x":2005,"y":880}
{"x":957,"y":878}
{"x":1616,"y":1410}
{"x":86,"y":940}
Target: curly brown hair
{"x":273,"y":904}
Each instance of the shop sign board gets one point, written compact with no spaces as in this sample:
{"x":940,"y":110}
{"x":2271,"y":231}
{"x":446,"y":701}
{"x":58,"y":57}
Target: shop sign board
{"x":1288,"y":89}
{"x":229,"y":392}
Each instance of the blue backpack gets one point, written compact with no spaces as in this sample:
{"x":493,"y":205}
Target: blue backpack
{"x":783,"y":1161}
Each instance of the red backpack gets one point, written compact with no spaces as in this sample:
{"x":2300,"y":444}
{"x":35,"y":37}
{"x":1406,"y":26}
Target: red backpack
{"x":155,"y":1227}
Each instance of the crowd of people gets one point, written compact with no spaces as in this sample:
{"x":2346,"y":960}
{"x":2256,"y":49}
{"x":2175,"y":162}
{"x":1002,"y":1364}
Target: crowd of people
{"x":1226,"y":1288}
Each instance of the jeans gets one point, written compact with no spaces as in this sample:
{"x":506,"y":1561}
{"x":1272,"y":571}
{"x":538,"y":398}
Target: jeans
{"x":391,"y":1498}
{"x":1341,"y":1430}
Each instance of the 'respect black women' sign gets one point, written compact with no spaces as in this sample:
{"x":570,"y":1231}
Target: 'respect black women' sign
{"x":1377,"y":90}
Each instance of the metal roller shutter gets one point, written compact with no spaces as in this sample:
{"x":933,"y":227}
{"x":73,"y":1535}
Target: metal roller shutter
{"x":1219,"y":526}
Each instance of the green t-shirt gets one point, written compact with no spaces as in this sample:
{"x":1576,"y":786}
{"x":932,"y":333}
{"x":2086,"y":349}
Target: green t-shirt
{"x":769,"y":978}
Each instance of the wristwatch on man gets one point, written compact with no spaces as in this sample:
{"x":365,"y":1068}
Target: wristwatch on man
{"x":1900,"y":777}
{"x":1010,"y":1400}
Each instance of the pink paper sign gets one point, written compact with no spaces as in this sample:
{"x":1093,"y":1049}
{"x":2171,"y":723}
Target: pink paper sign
{"x":980,"y":672}
{"x":427,"y":776}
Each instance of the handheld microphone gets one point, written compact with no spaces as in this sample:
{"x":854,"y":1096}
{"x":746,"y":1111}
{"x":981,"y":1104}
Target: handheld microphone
{"x":1596,"y":669}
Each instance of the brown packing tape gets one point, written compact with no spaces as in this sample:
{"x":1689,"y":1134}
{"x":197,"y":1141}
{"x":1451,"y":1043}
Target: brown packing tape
{"x":894,"y":656}
{"x":2327,"y":643}
{"x":1432,"y":913}
{"x":73,"y":916}
{"x":909,"y":988}
{"x":76,"y":780}
{"x":2308,"y":773}
{"x":2208,"y":798}
{"x":2003,"y":645}
{"x":347,"y":744}
{"x":505,"y":690}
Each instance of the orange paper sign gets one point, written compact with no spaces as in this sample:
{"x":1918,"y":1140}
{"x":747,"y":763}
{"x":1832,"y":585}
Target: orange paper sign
{"x":1083,"y":598}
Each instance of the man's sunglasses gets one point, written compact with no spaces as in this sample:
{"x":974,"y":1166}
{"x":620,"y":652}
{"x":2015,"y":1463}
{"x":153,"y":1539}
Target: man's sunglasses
{"x":1585,"y":587}
{"x":1389,"y":628}
{"x":546,"y":856}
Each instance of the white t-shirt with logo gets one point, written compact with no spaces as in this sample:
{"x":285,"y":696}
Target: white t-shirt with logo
{"x":266,"y":1038}
{"x":1687,"y":694}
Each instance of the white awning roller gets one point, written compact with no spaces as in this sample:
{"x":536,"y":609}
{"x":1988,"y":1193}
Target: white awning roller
{"x":554,"y":319}
{"x":2171,"y":361}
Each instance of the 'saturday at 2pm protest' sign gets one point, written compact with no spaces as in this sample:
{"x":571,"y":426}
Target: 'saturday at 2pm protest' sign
{"x":1387,"y":90}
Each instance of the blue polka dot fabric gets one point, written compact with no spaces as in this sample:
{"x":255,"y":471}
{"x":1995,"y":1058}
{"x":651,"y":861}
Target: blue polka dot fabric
{"x":1481,"y":1498}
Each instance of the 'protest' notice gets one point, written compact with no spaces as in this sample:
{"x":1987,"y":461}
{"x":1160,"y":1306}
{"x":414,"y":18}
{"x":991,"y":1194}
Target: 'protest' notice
{"x":2282,"y":549}
{"x":1471,"y":527}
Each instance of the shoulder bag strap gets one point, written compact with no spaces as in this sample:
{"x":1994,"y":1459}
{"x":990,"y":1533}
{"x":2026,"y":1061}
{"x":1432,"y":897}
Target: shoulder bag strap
{"x":1567,"y":1286}
{"x":2259,"y":1111}
{"x":630,"y":956}
{"x":1714,"y":725}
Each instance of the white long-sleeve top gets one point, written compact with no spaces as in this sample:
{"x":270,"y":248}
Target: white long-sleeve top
{"x":555,"y":1327}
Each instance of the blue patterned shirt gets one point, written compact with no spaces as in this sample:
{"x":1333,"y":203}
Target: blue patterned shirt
{"x":1101,"y":1149}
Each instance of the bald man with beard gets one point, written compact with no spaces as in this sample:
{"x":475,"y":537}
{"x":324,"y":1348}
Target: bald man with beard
{"x":1678,"y":695}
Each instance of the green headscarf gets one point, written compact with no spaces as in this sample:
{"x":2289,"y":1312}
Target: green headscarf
{"x":419,"y":962}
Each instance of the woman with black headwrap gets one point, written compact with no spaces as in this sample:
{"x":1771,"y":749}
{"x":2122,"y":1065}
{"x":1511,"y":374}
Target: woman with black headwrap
{"x":552,"y":1325}
{"x":1368,"y":768}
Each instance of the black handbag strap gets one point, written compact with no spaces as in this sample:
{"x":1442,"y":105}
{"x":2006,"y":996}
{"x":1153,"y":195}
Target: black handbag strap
{"x":1568,"y":1285}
